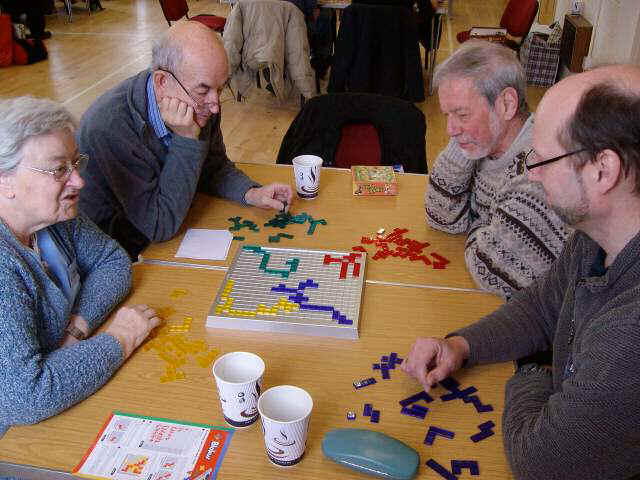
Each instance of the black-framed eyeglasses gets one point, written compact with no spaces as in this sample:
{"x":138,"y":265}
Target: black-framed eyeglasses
{"x":531,"y":163}
{"x":201,"y":108}
{"x":63,"y":172}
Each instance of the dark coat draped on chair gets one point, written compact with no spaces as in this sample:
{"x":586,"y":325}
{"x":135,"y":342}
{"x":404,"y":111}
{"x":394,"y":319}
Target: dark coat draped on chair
{"x":317,"y":129}
{"x":377,"y":51}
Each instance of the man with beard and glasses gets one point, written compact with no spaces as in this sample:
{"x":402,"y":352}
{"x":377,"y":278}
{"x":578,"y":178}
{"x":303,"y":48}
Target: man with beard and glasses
{"x":581,"y":418}
{"x":478,"y":184}
{"x":155,"y":140}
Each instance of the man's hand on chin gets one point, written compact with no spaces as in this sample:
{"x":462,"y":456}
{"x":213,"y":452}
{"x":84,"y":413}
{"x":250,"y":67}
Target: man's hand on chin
{"x":179,"y":117}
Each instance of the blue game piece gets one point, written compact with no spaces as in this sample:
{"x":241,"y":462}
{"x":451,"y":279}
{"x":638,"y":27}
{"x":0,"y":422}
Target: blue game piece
{"x":414,"y":398}
{"x":385,"y":372}
{"x":351,"y":415}
{"x":364,"y":383}
{"x":458,"y":465}
{"x":486,"y":425}
{"x":482,"y":435}
{"x":368,"y":408}
{"x":443,"y":472}
{"x":450,"y":383}
{"x":375,"y":416}
{"x":417,"y":411}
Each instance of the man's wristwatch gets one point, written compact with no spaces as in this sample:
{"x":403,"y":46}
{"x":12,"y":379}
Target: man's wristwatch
{"x":75,"y":332}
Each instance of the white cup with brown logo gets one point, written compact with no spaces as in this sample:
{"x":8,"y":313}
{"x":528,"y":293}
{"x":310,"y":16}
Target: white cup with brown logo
{"x":285,"y":411}
{"x":239,"y":380}
{"x":306,"y":170}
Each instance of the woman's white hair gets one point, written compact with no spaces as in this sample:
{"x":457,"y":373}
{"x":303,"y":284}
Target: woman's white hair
{"x":24,"y":118}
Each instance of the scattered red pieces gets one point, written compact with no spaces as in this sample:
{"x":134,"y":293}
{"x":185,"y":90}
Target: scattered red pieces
{"x":404,"y":248}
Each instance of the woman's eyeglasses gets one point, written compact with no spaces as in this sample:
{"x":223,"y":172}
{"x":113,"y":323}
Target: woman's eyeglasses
{"x":63,"y":172}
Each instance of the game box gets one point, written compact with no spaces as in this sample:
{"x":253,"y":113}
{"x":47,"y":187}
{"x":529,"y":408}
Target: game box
{"x":374,"y":180}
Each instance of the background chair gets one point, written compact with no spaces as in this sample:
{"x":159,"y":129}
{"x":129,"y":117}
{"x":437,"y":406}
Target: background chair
{"x":377,"y":51}
{"x":517,"y":18}
{"x":174,"y":10}
{"x":358,"y":129}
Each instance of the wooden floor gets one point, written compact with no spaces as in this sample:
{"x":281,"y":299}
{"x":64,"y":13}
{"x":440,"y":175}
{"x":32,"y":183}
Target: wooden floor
{"x":96,"y":51}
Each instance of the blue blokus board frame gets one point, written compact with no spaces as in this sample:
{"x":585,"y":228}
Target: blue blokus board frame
{"x":307,"y":292}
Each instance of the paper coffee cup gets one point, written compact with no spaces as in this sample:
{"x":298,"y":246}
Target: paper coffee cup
{"x":306,"y":170}
{"x":285,"y":412}
{"x":238,"y":380}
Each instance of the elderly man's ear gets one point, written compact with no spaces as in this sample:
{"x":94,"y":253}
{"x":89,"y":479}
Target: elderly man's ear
{"x":6,"y":185}
{"x":506,"y":103}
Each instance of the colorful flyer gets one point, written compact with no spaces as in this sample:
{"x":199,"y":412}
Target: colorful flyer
{"x":131,"y":447}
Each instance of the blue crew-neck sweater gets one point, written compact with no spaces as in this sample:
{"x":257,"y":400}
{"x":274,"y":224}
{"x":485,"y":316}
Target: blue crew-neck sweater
{"x":38,"y":379}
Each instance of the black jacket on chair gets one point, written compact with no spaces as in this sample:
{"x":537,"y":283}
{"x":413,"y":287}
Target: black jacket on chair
{"x":317,"y":129}
{"x":377,"y":52}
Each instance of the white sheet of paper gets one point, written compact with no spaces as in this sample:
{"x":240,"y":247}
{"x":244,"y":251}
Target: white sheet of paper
{"x":205,"y":244}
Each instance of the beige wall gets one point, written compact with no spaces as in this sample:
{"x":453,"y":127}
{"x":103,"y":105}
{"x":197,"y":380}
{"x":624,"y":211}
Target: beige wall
{"x":616,"y":29}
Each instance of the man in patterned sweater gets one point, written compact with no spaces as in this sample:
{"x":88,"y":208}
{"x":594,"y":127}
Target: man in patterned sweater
{"x":579,"y":419}
{"x":478,"y":184}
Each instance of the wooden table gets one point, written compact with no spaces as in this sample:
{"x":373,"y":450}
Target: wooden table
{"x":348,"y":219}
{"x":390,"y":320}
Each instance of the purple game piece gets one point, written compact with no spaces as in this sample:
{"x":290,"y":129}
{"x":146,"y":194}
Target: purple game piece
{"x":458,"y":465}
{"x":450,"y":383}
{"x":480,"y":407}
{"x":485,"y":431}
{"x":435,"y":431}
{"x":443,"y":472}
{"x":487,"y":425}
{"x":419,"y":412}
{"x":414,"y":398}
{"x":385,"y":372}
{"x":376,"y":366}
{"x":455,"y":393}
{"x":375,"y":416}
{"x":364,"y":383}
{"x":368,"y":408}
{"x":384,"y":359}
{"x":482,"y":435}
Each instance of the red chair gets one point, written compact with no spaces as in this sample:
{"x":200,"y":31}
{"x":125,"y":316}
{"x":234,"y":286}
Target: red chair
{"x":517,"y":19}
{"x":359,"y":145}
{"x":176,"y":9}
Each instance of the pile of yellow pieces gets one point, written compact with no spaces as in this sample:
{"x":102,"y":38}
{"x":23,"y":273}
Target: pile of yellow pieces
{"x":172,"y":346}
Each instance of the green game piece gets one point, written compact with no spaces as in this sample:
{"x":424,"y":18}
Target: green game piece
{"x":285,"y":235}
{"x":313,"y":223}
{"x":274,"y":239}
{"x":238,"y":238}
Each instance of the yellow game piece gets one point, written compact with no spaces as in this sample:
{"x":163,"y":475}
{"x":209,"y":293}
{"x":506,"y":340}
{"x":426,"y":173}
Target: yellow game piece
{"x":177,"y":293}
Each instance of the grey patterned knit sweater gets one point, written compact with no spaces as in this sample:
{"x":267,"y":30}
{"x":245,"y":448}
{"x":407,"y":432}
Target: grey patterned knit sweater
{"x":513,"y":236}
{"x":583,"y":420}
{"x":37,"y":378}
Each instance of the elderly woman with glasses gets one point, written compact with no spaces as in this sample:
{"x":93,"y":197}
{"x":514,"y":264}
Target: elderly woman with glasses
{"x":60,"y":276}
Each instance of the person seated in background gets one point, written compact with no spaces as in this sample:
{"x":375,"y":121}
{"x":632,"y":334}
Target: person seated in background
{"x":60,"y":276}
{"x":320,"y":27}
{"x":478,"y":184}
{"x":155,"y":139}
{"x":33,"y":10}
{"x":579,"y":419}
